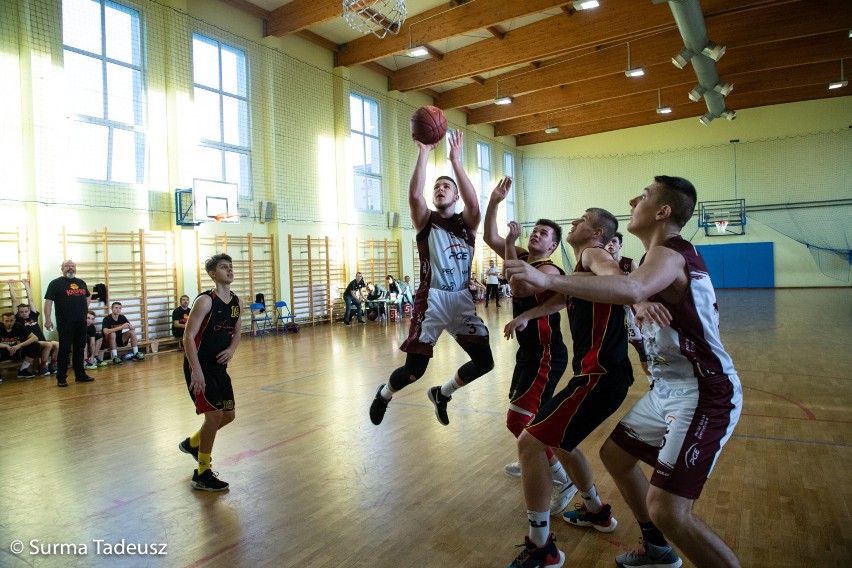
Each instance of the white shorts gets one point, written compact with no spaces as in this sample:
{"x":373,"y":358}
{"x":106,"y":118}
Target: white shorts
{"x":453,"y":312}
{"x":679,"y":427}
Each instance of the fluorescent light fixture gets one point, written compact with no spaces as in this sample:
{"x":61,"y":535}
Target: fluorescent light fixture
{"x":697,"y":92}
{"x":706,"y":119}
{"x":551,"y":130}
{"x":634,"y":72}
{"x":838,"y":84}
{"x":723,"y":88}
{"x":714,"y":51}
{"x":850,"y":33}
{"x":660,"y":108}
{"x":503,"y":101}
{"x":729,"y":114}
{"x":584,"y":4}
{"x":418,"y":51}
{"x":681,"y":59}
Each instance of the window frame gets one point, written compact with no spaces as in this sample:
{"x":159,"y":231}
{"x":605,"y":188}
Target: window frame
{"x":367,"y":199}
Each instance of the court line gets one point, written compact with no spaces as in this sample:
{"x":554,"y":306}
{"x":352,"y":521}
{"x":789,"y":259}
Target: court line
{"x":802,"y":407}
{"x":794,"y":440}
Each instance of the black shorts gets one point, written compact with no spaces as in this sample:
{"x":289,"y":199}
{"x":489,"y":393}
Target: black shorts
{"x":218,"y":392}
{"x":32,"y":351}
{"x":535,"y":377}
{"x":574,"y":412}
{"x":178,"y":333}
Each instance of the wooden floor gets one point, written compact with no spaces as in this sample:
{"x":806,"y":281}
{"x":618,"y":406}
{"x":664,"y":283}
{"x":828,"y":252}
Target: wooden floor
{"x":315,"y":484}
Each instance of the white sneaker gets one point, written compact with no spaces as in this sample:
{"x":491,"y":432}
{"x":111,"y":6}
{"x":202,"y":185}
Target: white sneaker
{"x":513,"y":469}
{"x":562,"y":495}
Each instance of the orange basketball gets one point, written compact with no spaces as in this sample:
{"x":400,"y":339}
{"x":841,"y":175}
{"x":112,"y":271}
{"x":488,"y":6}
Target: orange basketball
{"x":428,"y":125}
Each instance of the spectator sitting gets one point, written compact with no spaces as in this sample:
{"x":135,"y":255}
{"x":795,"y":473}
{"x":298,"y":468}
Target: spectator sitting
{"x":375,"y":298}
{"x":505,"y":289}
{"x":18,"y":343}
{"x":28,"y":317}
{"x":113,"y":330}
{"x":393,"y":292}
{"x":180,"y":315}
{"x":93,"y":352}
{"x":406,"y":291}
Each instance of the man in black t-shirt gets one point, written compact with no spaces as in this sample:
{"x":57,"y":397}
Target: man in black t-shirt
{"x":94,"y":342}
{"x":113,"y":328}
{"x":180,"y":315}
{"x":28,"y":317}
{"x":352,"y":297}
{"x":16,"y":342}
{"x":71,"y":298}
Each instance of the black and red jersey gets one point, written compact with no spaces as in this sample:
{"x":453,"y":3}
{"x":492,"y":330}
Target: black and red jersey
{"x":218,"y":327}
{"x":540,"y":331}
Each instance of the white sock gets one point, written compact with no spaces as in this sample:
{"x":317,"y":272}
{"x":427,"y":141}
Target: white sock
{"x":559,"y":473}
{"x":135,"y":350}
{"x":592,"y":500}
{"x":114,"y":353}
{"x":539,"y":526}
{"x":386,"y":393}
{"x":450,"y":387}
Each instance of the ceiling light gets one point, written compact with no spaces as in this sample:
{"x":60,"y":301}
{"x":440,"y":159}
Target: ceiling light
{"x":842,"y":82}
{"x":551,"y":130}
{"x":729,"y":114}
{"x":418,"y":51}
{"x":723,"y":88}
{"x":503,"y":101}
{"x":632,"y":71}
{"x":584,"y":4}
{"x":697,"y":92}
{"x":681,"y":59}
{"x":714,"y":51}
{"x":706,"y":119}
{"x":660,"y":108}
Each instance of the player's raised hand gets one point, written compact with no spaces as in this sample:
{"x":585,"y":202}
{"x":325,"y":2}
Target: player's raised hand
{"x":500,"y":192}
{"x":454,"y":139}
{"x":514,"y":233}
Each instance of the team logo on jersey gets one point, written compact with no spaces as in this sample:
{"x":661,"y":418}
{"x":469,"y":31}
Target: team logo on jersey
{"x":74,"y":290}
{"x":691,"y":456}
{"x":459,"y":251}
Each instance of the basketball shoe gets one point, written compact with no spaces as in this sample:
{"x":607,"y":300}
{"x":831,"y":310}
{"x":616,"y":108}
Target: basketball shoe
{"x":186,"y":448}
{"x":378,"y":407}
{"x":208,"y":481}
{"x":602,"y":521}
{"x":513,"y":469}
{"x":440,"y":401}
{"x":649,"y":556}
{"x":547,"y":556}
{"x":562,"y":495}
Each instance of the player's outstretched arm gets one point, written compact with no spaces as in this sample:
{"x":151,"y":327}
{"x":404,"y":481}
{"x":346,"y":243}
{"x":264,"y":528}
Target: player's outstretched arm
{"x":491,"y":235}
{"x":550,"y":306}
{"x":471,"y":214}
{"x":416,"y":202}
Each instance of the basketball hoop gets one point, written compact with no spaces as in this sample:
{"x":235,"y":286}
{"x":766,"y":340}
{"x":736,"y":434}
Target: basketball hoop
{"x":721,"y":226}
{"x":218,"y":218}
{"x":379,"y":17}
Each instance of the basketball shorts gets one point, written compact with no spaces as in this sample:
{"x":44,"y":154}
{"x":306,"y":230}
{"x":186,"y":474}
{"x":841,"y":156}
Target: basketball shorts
{"x":453,"y":312}
{"x":32,"y":351}
{"x":679,"y":428}
{"x":218,"y":392}
{"x":122,"y":338}
{"x":574,"y":412}
{"x":536,"y":375}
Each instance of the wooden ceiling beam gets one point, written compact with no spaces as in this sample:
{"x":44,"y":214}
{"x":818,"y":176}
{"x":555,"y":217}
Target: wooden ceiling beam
{"x":249,"y":8}
{"x":301,"y":14}
{"x":824,"y":48}
{"x":659,"y":48}
{"x":442,"y":23}
{"x":646,"y":117}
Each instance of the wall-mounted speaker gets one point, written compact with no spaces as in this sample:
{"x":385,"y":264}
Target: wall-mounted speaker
{"x":393,"y":220}
{"x":267,"y":212}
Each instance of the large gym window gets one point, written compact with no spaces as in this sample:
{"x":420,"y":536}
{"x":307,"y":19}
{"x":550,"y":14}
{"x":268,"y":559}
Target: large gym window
{"x":102,"y":51}
{"x":220,"y":78}
{"x":509,"y":171}
{"x":483,"y":162}
{"x":365,"y":152}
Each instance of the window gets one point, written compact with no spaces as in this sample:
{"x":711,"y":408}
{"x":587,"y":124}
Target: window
{"x":102,"y":52}
{"x":509,"y":171}
{"x":220,"y":79}
{"x":483,"y":159}
{"x":365,"y":152}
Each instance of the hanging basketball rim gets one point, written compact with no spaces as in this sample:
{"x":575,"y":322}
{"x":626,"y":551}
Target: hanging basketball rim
{"x":721,"y":226}
{"x":378,"y":17}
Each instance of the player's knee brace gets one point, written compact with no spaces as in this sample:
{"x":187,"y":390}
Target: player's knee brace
{"x":481,"y":361}
{"x":415,"y":366}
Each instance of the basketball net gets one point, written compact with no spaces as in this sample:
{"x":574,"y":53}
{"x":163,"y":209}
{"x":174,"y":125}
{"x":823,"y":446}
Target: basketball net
{"x":378,"y":17}
{"x":721,"y":226}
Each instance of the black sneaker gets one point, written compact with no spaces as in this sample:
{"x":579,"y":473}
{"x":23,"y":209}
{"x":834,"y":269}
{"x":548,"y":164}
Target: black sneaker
{"x":186,"y":448}
{"x":26,"y":373}
{"x":440,"y":401}
{"x":361,"y":321}
{"x":539,"y":557}
{"x":208,"y":481}
{"x":84,"y":379}
{"x":378,"y":407}
{"x":61,"y":383}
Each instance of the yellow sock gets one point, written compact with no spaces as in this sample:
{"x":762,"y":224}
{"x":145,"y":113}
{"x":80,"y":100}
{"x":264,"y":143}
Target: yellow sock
{"x":203,"y":462}
{"x":195,"y":439}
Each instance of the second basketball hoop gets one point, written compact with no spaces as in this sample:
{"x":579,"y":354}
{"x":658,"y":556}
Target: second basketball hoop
{"x":378,"y":17}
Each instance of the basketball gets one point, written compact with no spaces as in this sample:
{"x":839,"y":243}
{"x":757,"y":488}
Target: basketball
{"x":372,"y":315}
{"x":428,"y":125}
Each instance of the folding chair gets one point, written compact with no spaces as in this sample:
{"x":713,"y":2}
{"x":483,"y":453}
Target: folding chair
{"x":260,"y":320}
{"x":283,"y":314}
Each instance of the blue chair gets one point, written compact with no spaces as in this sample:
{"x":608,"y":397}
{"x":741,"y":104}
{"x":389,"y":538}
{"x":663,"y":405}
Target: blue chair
{"x":283,"y":316}
{"x":260,"y":320}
